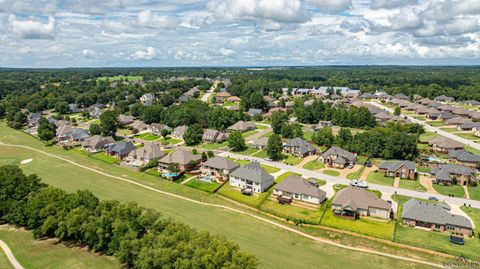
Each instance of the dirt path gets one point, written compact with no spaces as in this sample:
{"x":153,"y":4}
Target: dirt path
{"x":426,"y":182}
{"x":467,"y":194}
{"x":271,"y":222}
{"x":11,"y":258}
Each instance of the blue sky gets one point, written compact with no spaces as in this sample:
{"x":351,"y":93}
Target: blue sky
{"x":72,"y":33}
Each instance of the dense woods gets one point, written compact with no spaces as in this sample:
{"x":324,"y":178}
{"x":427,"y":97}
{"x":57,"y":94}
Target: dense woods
{"x":137,"y":236}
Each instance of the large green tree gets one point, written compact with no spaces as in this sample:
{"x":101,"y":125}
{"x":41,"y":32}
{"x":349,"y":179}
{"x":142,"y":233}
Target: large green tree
{"x":274,"y":147}
{"x":193,"y":135}
{"x":109,"y":123}
{"x":236,"y":142}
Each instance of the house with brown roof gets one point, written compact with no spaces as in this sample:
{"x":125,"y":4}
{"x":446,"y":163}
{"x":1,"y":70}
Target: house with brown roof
{"x":218,"y":168}
{"x":400,"y":169}
{"x":179,"y":131}
{"x":260,"y":143}
{"x":448,"y":174}
{"x":221,"y":97}
{"x":444,"y":144}
{"x":299,"y":147}
{"x":139,"y":126}
{"x":213,"y":136}
{"x":156,"y":128}
{"x":97,"y":143}
{"x":145,"y":154}
{"x":337,"y":157}
{"x":242,"y":126}
{"x":463,"y":157}
{"x":354,"y":202}
{"x":300,"y":189}
{"x":234,"y":99}
{"x":126,"y":119}
{"x":185,"y":160}
{"x":457,"y":121}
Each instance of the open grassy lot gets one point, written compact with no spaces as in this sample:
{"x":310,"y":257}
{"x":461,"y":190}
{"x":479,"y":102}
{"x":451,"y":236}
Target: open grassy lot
{"x":292,"y":160}
{"x":147,"y":136}
{"x":283,"y":176}
{"x":255,"y":200}
{"x":454,"y":190}
{"x":120,"y":78}
{"x":170,"y":140}
{"x":331,"y":173}
{"x":411,"y":185}
{"x":474,"y":214}
{"x":366,"y":226}
{"x":213,"y":146}
{"x":272,"y":246}
{"x":293,"y":212}
{"x":436,"y":123}
{"x":202,"y":185}
{"x":249,"y":151}
{"x":47,"y":254}
{"x":270,"y":169}
{"x":105,"y":158}
{"x":153,"y":172}
{"x":314,"y":165}
{"x":450,"y":129}
{"x":379,"y":178}
{"x":250,"y":133}
{"x":474,"y":193}
{"x":472,"y":150}
{"x":260,"y":154}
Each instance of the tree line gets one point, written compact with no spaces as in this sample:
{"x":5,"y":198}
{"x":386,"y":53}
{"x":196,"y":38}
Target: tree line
{"x":137,"y":236}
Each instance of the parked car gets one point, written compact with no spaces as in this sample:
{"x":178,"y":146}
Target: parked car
{"x":268,"y":159}
{"x":433,"y":198}
{"x":350,"y":166}
{"x":368,"y":164}
{"x":359,"y":183}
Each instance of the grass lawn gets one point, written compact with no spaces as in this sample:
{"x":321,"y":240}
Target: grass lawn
{"x":250,"y":133}
{"x":319,"y":181}
{"x":255,"y":200}
{"x":366,"y":226}
{"x":268,"y":134}
{"x":379,"y":178}
{"x":283,"y":176}
{"x":32,"y":253}
{"x":307,"y":135}
{"x":427,"y":136}
{"x":120,"y":78}
{"x":202,"y":185}
{"x":293,"y":211}
{"x":411,"y":185}
{"x":424,"y":169}
{"x":292,"y":160}
{"x":170,"y":140}
{"x":249,"y":151}
{"x":227,"y":104}
{"x":468,"y":136}
{"x":213,"y":146}
{"x":147,"y":136}
{"x":261,"y":154}
{"x":261,"y":127}
{"x":436,"y":123}
{"x":105,"y":158}
{"x":450,"y":129}
{"x":456,"y":190}
{"x":270,"y":169}
{"x":314,"y":165}
{"x":472,"y":150}
{"x":474,"y":194}
{"x":124,"y":132}
{"x":474,"y":214}
{"x":271,"y":245}
{"x":240,"y":162}
{"x":153,"y":172}
{"x":331,"y":173}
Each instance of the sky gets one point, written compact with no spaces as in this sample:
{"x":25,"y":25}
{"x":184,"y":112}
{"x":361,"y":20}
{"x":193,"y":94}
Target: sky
{"x":143,"y":33}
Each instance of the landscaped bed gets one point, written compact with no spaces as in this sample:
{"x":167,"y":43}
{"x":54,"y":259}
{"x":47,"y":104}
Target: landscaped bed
{"x":202,"y":185}
{"x":380,"y":178}
{"x":314,"y":165}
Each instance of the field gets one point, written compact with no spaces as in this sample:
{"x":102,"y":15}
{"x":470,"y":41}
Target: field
{"x":454,"y":190}
{"x":47,"y":254}
{"x":105,"y":158}
{"x":272,"y":245}
{"x":235,"y":194}
{"x":292,"y":211}
{"x":120,"y":78}
{"x":427,"y":136}
{"x":379,"y":178}
{"x":474,"y":193}
{"x":314,"y":165}
{"x":436,"y":123}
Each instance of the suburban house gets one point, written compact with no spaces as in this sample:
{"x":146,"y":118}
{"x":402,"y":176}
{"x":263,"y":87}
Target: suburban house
{"x":251,"y":177}
{"x":435,"y":216}
{"x":63,"y":132}
{"x":234,"y":99}
{"x":300,"y":189}
{"x":78,"y":135}
{"x":32,"y":119}
{"x":401,"y":169}
{"x":469,"y":126}
{"x":147,"y":99}
{"x":242,"y":126}
{"x":252,"y":112}
{"x":193,"y":92}
{"x":221,"y":97}
{"x":448,"y":174}
{"x":156,"y":128}
{"x":74,"y":108}
{"x":457,"y":121}
{"x":139,"y":126}
{"x":460,"y":111}
{"x":120,"y":149}
{"x":95,"y":112}
{"x":141,"y":156}
{"x":337,"y":157}
{"x":213,"y":136}
{"x":260,"y":143}
{"x":353,"y":202}
{"x":463,"y":157}
{"x":444,"y":144}
{"x":218,"y":167}
{"x":179,"y":131}
{"x":126,"y":119}
{"x":299,"y":147}
{"x":444,"y":98}
{"x":97,"y":143}
{"x":182,"y":158}
{"x":323,"y":123}
{"x":401,"y":96}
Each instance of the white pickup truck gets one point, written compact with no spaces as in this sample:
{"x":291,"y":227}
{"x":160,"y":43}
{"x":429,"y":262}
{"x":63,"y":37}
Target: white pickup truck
{"x":359,"y":183}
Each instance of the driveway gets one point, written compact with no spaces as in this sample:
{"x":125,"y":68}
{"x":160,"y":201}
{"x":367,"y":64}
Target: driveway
{"x":426,"y":182}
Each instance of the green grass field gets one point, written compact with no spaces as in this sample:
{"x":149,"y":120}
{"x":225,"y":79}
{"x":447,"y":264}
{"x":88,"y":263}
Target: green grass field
{"x":48,"y":254}
{"x":427,"y":136}
{"x":147,"y":136}
{"x":120,"y":78}
{"x":235,"y":194}
{"x":213,"y":146}
{"x":411,"y":185}
{"x":331,"y":173}
{"x":468,"y":136}
{"x":292,"y":211}
{"x":436,"y":123}
{"x":201,"y":185}
{"x":261,"y":154}
{"x":105,"y":158}
{"x":292,"y":160}
{"x":474,"y":193}
{"x":250,"y":133}
{"x":454,"y":190}
{"x":379,"y":178}
{"x":249,"y":151}
{"x":314,"y":165}
{"x":271,"y":245}
{"x":450,"y":129}
{"x":270,"y":169}
{"x":170,"y":140}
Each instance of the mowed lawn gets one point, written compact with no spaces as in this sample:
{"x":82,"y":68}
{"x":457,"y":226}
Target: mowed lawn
{"x":202,"y":185}
{"x":147,"y":136}
{"x":271,"y":245}
{"x":379,"y":178}
{"x":314,"y":165}
{"x":47,"y":254}
{"x":455,"y":190}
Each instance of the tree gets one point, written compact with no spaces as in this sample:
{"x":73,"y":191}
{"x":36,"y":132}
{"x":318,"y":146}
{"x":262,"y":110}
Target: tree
{"x":95,"y":129}
{"x":109,"y":123}
{"x":173,"y":167}
{"x":279,"y":119}
{"x":397,"y":111}
{"x":193,"y":135}
{"x":274,"y":147}
{"x":152,"y":114}
{"x":46,"y":130}
{"x":344,"y":136}
{"x":292,"y":130}
{"x":236,"y":142}
{"x":165,"y":132}
{"x":323,"y":137}
{"x":62,"y":108}
{"x":257,"y":101}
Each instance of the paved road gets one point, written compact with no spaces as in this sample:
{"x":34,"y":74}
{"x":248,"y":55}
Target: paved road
{"x":433,"y":129}
{"x":10,"y":256}
{"x":388,"y":190}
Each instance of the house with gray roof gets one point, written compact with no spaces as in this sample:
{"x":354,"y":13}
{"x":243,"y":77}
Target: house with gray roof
{"x":401,"y":96}
{"x":299,"y":147}
{"x":218,"y":168}
{"x":97,"y":143}
{"x":213,"y":136}
{"x":179,"y":131}
{"x":63,"y":132}
{"x":469,"y":126}
{"x":401,"y":169}
{"x":448,"y":174}
{"x":435,"y":216}
{"x":337,"y":157}
{"x":242,"y":126}
{"x":184,"y":159}
{"x":353,"y":202}
{"x":444,"y":98}
{"x":252,"y":112}
{"x":156,"y":128}
{"x":126,"y":119}
{"x":139,"y":126}
{"x":120,"y":149}
{"x":149,"y":152}
{"x":300,"y":189}
{"x":463,"y":157}
{"x":443,"y":144}
{"x":79,"y":135}
{"x":457,"y":121}
{"x":95,"y":112}
{"x":147,"y":99}
{"x":260,"y":143}
{"x":251,"y":177}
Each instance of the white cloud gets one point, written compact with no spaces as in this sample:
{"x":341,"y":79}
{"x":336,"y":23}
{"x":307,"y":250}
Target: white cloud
{"x":33,"y":28}
{"x":147,"y":19}
{"x":331,"y":6}
{"x":148,"y":54}
{"x":88,"y":53}
{"x":378,"y":4}
{"x":226,"y":52}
